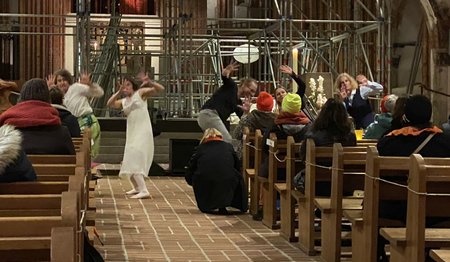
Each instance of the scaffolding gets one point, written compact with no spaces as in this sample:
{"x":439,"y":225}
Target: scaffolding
{"x":185,"y":52}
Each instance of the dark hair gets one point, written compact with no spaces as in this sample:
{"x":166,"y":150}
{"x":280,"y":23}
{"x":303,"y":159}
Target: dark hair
{"x":398,"y":112}
{"x":56,"y":96}
{"x":133,"y":82}
{"x":35,"y":89}
{"x":333,"y":117}
{"x":64,"y":74}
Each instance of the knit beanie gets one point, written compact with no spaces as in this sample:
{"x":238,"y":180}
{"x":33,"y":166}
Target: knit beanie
{"x":264,"y":102}
{"x":388,"y":103}
{"x":418,"y":110}
{"x":292,"y":103}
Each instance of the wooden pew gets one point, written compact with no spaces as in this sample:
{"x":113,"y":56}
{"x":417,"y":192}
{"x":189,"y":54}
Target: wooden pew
{"x":426,"y":177}
{"x":276,"y":157}
{"x":313,"y":173}
{"x":255,"y":191}
{"x":248,"y":156}
{"x":440,"y":255}
{"x":29,"y":238}
{"x":349,"y":162}
{"x":365,"y":223}
{"x":290,"y":196}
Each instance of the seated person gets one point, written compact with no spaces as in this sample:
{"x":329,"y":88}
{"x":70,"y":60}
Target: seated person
{"x":38,"y":121}
{"x":404,"y":141}
{"x":382,"y":122}
{"x":417,"y":136}
{"x":214,"y":173}
{"x":67,"y":119}
{"x":261,"y":118}
{"x":291,"y":121}
{"x":331,"y":126}
{"x":14,"y":164}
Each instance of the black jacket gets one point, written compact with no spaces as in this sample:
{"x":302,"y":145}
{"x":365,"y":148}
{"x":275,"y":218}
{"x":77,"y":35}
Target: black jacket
{"x":68,"y":120}
{"x":214,"y":173}
{"x":225,"y":100}
{"x":53,"y":140}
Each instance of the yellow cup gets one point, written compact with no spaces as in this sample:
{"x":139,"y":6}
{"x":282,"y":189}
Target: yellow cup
{"x":359,"y":134}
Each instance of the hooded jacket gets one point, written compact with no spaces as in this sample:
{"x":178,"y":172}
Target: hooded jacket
{"x":14,"y":164}
{"x":379,"y":127}
{"x":41,"y":128}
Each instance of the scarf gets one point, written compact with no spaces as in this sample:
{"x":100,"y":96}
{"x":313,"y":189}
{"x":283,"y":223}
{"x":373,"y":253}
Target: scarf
{"x":31,"y":113}
{"x":413,"y":131}
{"x":294,"y":119}
{"x":213,"y":138}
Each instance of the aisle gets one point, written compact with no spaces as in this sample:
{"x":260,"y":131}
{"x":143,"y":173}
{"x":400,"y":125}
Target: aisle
{"x":169,"y":227}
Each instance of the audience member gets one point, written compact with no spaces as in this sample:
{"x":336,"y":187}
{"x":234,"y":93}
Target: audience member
{"x":214,"y":173}
{"x":14,"y":164}
{"x":331,"y":126}
{"x":417,"y":136}
{"x":291,"y":121}
{"x":355,"y":96}
{"x":38,"y":121}
{"x":418,"y":129}
{"x":67,"y":119}
{"x":261,"y":118}
{"x":397,"y":113}
{"x":382,"y":122}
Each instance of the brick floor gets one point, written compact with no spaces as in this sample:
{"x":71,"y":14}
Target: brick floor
{"x":169,"y":227}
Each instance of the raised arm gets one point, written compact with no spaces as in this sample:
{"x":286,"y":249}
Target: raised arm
{"x":301,"y":85}
{"x":112,"y":101}
{"x":94,"y":89}
{"x":148,"y":87}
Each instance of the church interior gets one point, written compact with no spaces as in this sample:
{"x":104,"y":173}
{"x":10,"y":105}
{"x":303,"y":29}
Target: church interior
{"x":79,"y":207}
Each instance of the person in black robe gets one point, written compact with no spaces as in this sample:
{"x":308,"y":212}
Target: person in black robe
{"x":214,"y":173}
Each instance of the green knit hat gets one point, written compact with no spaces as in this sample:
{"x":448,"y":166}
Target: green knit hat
{"x":292,"y":103}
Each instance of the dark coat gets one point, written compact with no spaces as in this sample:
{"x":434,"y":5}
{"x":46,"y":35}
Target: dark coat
{"x":360,"y":110}
{"x":14,"y":164}
{"x":53,"y":140}
{"x":214,"y":173}
{"x":404,"y":145}
{"x":68,"y":120}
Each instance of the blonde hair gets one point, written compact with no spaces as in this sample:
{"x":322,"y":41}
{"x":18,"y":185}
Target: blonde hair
{"x":210,"y":132}
{"x":337,"y":83}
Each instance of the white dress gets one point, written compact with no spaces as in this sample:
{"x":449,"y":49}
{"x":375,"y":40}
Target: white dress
{"x":139,"y":147}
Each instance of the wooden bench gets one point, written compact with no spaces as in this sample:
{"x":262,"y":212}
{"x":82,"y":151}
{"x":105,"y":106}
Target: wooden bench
{"x":313,"y":173}
{"x":440,"y":255}
{"x":365,"y":223}
{"x":426,"y":177}
{"x":255,"y":191}
{"x":30,"y":238}
{"x":276,"y":157}
{"x":248,"y":156}
{"x":290,"y":196}
{"x":349,"y":165}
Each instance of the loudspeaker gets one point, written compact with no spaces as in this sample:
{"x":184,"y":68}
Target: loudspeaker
{"x":180,"y":151}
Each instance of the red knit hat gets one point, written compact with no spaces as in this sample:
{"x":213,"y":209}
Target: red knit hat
{"x":264,"y":102}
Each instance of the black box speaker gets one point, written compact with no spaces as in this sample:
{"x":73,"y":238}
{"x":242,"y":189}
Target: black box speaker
{"x":180,"y":151}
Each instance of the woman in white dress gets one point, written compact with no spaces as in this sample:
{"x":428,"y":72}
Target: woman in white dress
{"x":139,"y":146}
